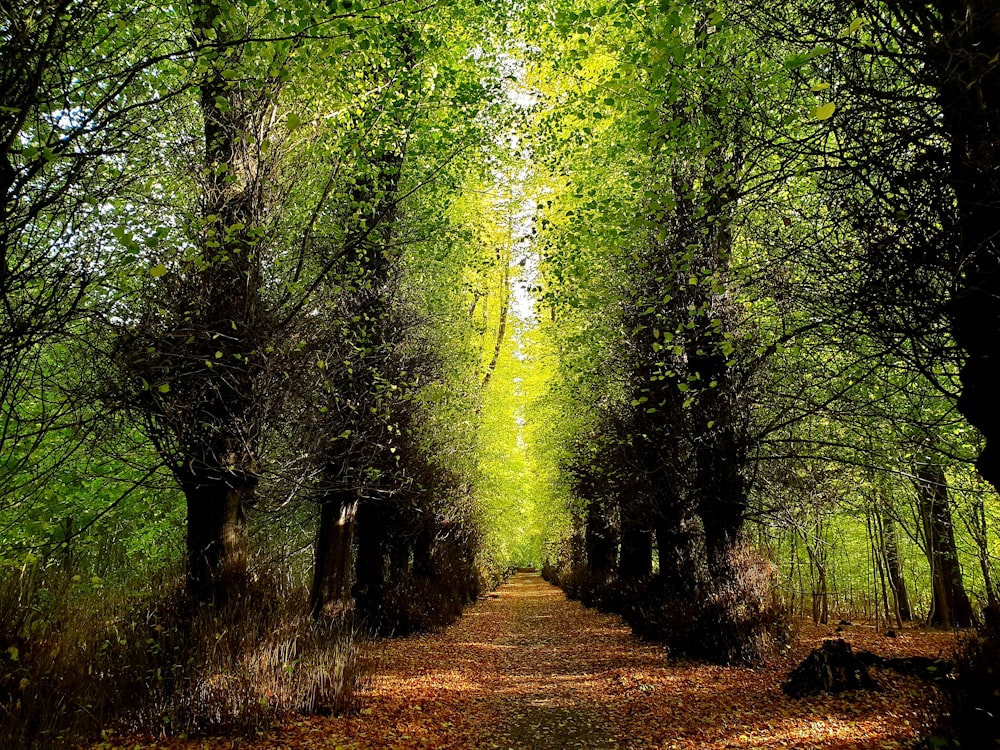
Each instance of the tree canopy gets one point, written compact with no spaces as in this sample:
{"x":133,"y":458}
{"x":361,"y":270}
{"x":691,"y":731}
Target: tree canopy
{"x":694,"y":305}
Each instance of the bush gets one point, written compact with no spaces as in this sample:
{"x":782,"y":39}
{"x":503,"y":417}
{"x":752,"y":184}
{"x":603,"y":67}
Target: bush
{"x":239,"y":667}
{"x":53,"y":653}
{"x":739,"y":621}
{"x":411,"y":602}
{"x":970,"y":715}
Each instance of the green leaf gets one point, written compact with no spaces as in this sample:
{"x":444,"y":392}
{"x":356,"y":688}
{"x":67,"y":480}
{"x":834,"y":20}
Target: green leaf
{"x":165,"y":388}
{"x":158,"y":271}
{"x":293,"y":121}
{"x":823,"y":111}
{"x":798,"y":60}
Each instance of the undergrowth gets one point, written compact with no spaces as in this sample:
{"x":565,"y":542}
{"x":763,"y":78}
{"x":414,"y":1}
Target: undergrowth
{"x":970,"y":714}
{"x":740,"y":620}
{"x":75,"y":665}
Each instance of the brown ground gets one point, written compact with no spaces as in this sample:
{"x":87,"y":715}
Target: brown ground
{"x":528,"y":669}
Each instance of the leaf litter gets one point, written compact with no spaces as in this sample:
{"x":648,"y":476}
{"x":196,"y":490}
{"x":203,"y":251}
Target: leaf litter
{"x":530,"y":669}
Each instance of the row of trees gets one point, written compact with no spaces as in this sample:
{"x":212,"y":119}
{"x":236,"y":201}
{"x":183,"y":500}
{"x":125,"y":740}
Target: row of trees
{"x":234,"y":314}
{"x":208,"y":221}
{"x":771,"y":281}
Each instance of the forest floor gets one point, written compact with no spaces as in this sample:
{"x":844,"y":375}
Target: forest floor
{"x":525,"y":668}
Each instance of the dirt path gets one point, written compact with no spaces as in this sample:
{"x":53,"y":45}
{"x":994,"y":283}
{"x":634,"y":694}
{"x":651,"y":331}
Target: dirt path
{"x":525,"y":668}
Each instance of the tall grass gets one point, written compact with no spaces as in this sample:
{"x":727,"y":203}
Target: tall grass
{"x":73,"y":663}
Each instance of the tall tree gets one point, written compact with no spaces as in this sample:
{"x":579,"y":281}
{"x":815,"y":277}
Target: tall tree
{"x":950,"y":605}
{"x":199,"y":350}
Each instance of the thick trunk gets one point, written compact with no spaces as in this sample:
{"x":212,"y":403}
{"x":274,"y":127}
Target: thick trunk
{"x":400,"y":555}
{"x":211,"y":411}
{"x":969,"y":94}
{"x":331,"y":587}
{"x":722,"y":497}
{"x":423,"y":551}
{"x":684,"y":562}
{"x":370,"y":568}
{"x":601,"y":542}
{"x":636,"y":560}
{"x":216,"y":535}
{"x":951,"y":605}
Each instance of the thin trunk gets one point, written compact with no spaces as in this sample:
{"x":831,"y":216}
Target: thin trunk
{"x":820,"y":592}
{"x":985,"y":564}
{"x":877,"y":545}
{"x":894,"y":570}
{"x":821,"y":613}
{"x":501,"y":328}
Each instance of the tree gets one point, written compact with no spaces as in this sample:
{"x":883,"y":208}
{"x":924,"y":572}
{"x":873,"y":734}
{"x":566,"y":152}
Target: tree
{"x":199,"y":351}
{"x":951,"y":605}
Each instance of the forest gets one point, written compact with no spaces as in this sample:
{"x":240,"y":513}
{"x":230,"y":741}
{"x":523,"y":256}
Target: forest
{"x":321,"y":318}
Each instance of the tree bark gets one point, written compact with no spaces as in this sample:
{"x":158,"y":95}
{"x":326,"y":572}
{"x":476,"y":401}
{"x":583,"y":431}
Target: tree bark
{"x":968,"y":84}
{"x":331,"y":587}
{"x":216,"y":535}
{"x":370,"y":567}
{"x":635,"y":561}
{"x":951,"y":605}
{"x":894,"y":568}
{"x":601,"y":542}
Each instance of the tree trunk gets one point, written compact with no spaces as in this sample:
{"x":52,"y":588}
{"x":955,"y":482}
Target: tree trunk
{"x":821,"y":598}
{"x":968,"y":84}
{"x":370,"y":568}
{"x":818,"y":585}
{"x":951,"y":605}
{"x":423,"y":550}
{"x":601,"y":542}
{"x":216,"y":535}
{"x":501,"y":326}
{"x":206,"y":418}
{"x":684,"y":562}
{"x":894,"y":569}
{"x":331,"y":587}
{"x":636,"y":560}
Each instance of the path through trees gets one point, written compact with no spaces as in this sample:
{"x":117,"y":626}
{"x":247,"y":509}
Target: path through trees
{"x":526,"y":668}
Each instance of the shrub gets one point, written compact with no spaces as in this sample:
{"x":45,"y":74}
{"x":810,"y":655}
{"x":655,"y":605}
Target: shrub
{"x":410,"y":602}
{"x":970,"y":716}
{"x":739,"y":621}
